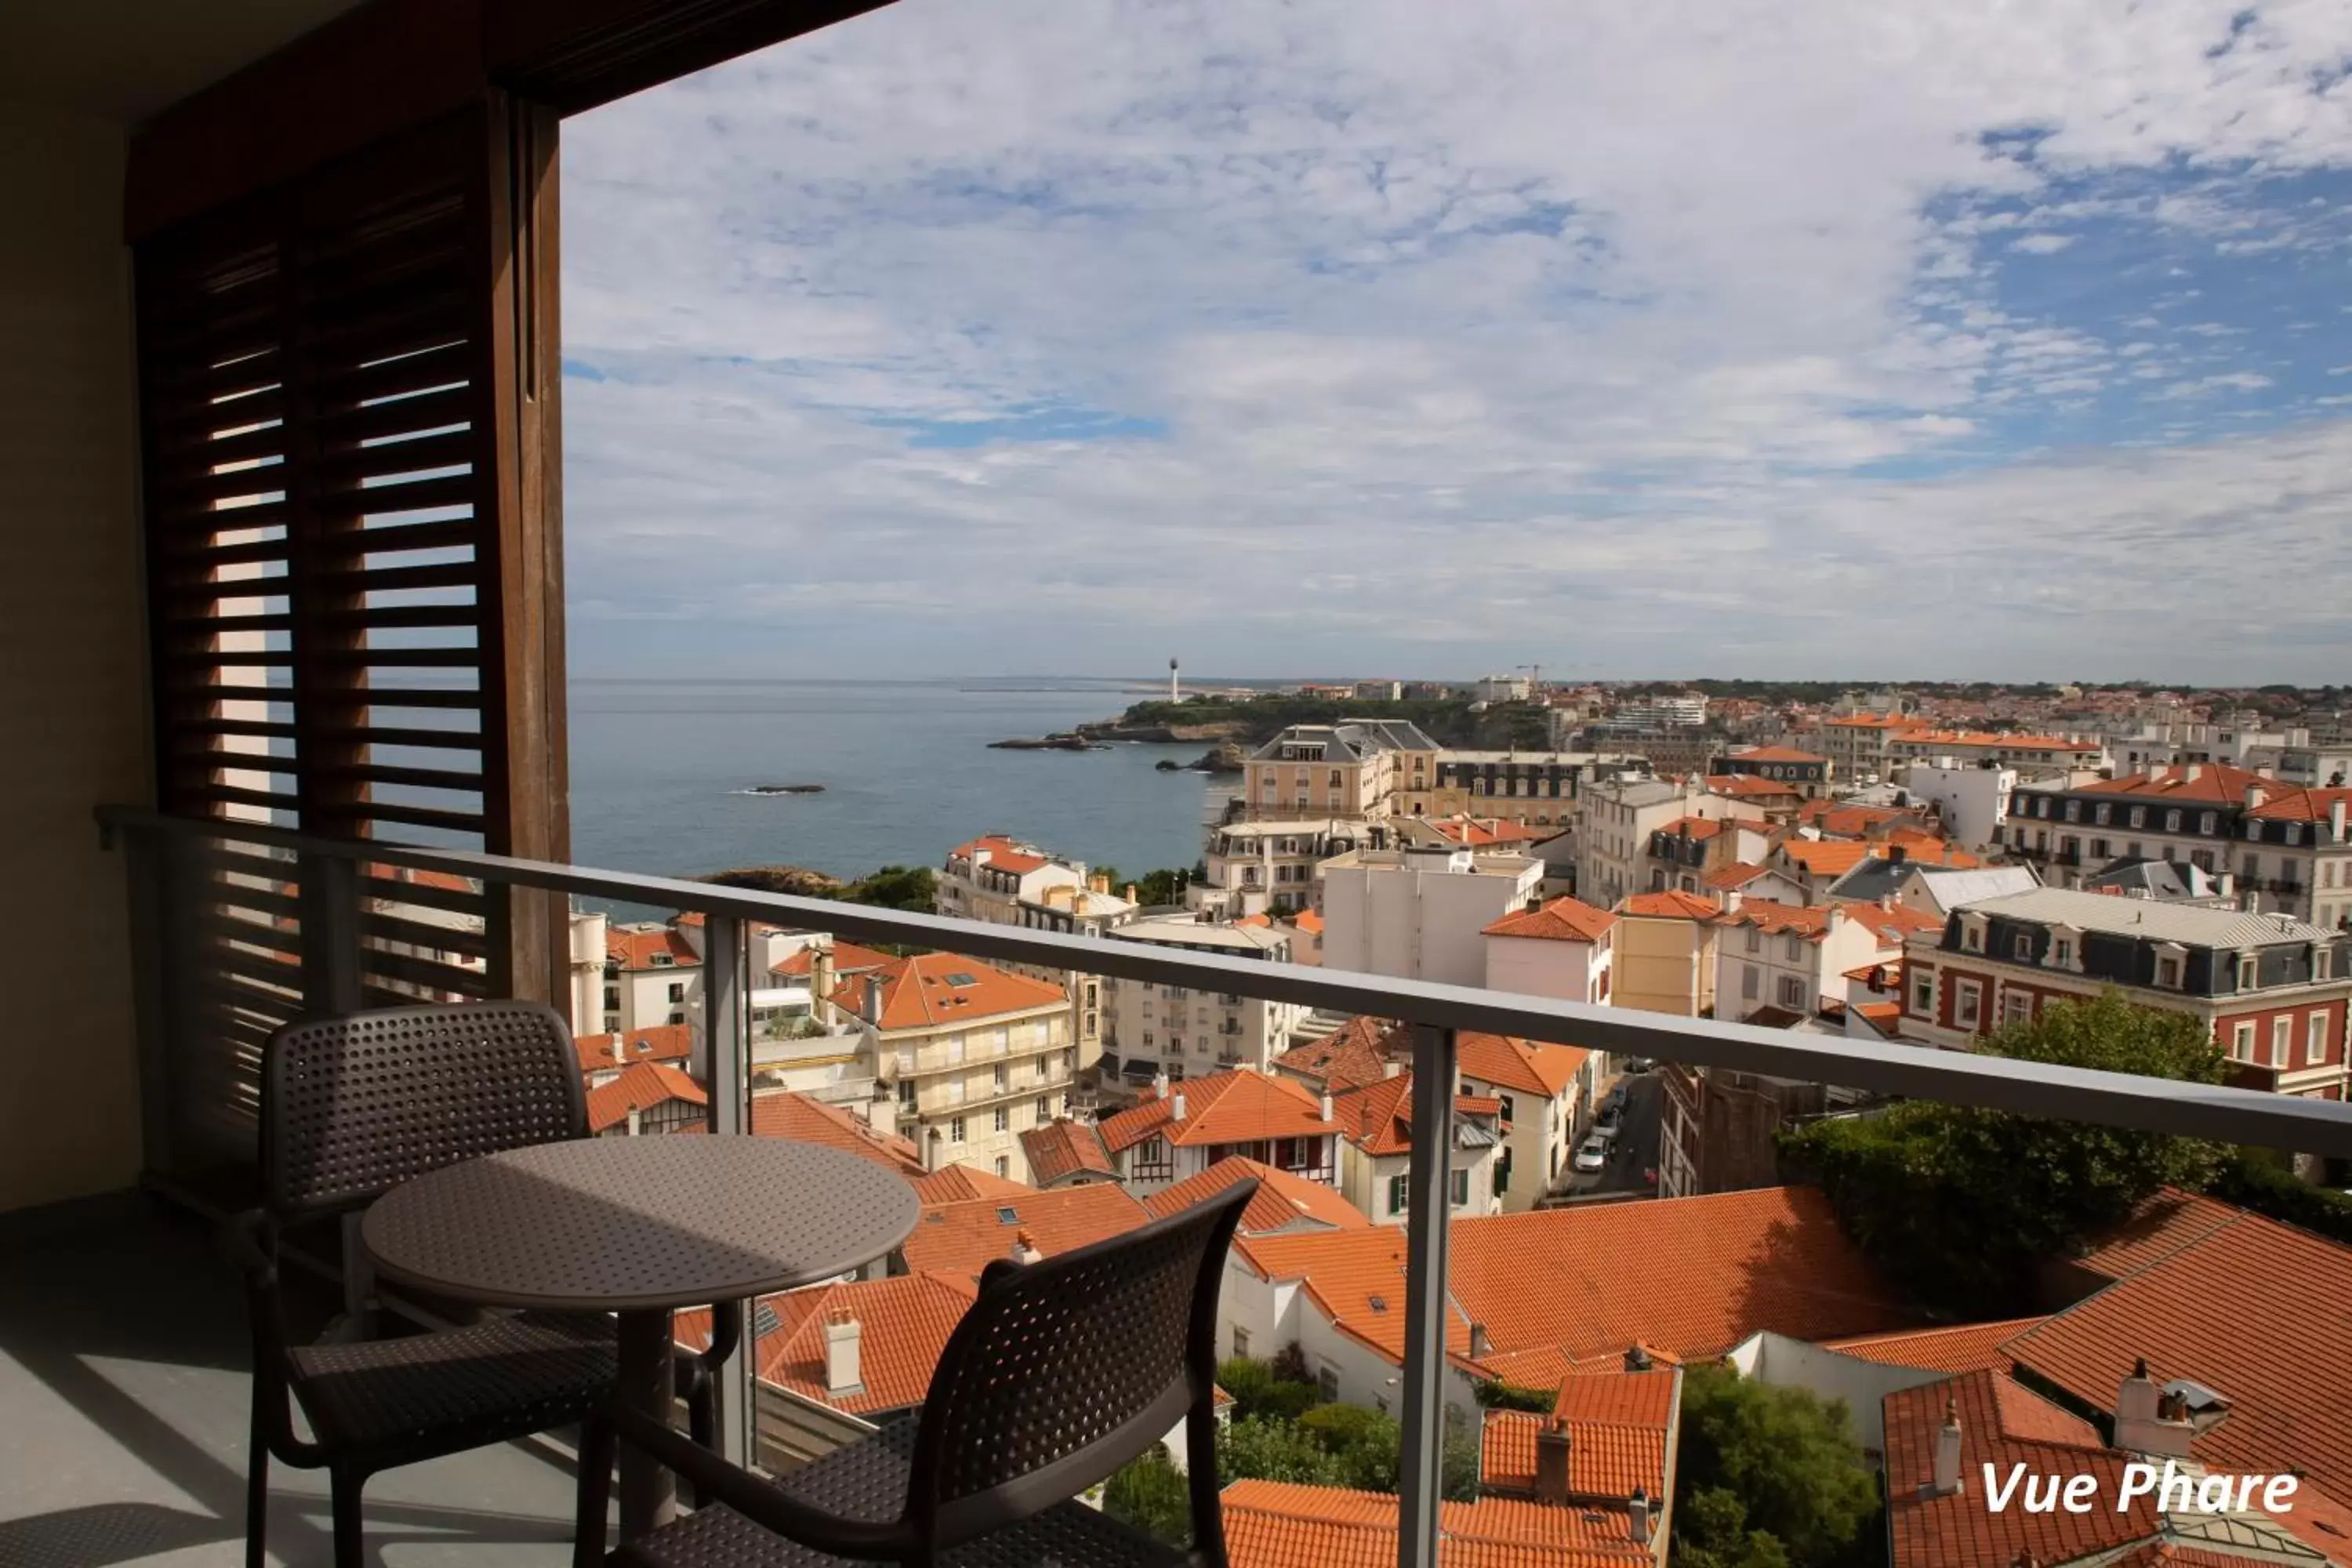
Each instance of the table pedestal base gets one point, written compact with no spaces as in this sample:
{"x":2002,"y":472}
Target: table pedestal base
{"x":648,"y":1491}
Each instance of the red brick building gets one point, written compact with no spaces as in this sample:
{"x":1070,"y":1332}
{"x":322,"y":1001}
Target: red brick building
{"x":2274,"y":991}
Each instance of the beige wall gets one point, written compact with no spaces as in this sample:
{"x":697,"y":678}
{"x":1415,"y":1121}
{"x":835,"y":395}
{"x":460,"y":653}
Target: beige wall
{"x":71,"y":684}
{"x":1661,"y":966}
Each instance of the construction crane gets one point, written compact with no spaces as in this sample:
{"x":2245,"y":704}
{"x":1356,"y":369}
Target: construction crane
{"x":1535,"y":677}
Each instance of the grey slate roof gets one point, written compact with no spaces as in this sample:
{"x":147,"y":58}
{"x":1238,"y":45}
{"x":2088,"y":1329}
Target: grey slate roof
{"x":2192,"y":925}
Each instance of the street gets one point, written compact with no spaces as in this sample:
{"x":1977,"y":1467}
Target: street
{"x":1635,"y":1149}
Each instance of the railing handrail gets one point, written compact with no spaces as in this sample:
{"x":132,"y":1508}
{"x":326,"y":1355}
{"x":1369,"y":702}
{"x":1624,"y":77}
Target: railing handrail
{"x":2120,"y":1099}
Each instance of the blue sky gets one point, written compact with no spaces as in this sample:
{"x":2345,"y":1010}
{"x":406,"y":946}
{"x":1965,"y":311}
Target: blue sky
{"x":1841,"y":341}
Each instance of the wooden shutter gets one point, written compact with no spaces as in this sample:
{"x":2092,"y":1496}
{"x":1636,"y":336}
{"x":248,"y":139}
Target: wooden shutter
{"x":355,"y":608}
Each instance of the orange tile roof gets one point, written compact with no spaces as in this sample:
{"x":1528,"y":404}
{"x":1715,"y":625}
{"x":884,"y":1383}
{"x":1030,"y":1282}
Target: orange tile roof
{"x":1824,"y":857}
{"x":935,"y":989}
{"x":1739,"y":874}
{"x":2216,"y":783}
{"x":640,"y":1088}
{"x":1524,"y":1066}
{"x":2301,"y":805}
{"x":1777,"y":755}
{"x":636,"y":950}
{"x":903,"y":1321}
{"x":787,"y":1114}
{"x":1003,"y":855}
{"x":1064,"y":1148}
{"x":1357,"y":1052}
{"x":1620,"y":1426}
{"x":1963,"y":1347}
{"x":2193,"y":1313}
{"x":1670,"y":906}
{"x":1378,"y":1117}
{"x":961,"y":1184}
{"x":2161,"y":1226}
{"x":1281,"y":1525}
{"x":1561,"y":919}
{"x":1994,"y":737}
{"x":1238,"y":1107}
{"x":1477,"y":832}
{"x":1307,"y":920}
{"x":445,"y":881}
{"x":661,"y":1043}
{"x":848,"y":958}
{"x":966,"y":1237}
{"x":1839,"y":821}
{"x":2002,"y":1425}
{"x":1283,"y":1201}
{"x":1692,"y":1276}
{"x":1874,"y":721}
{"x":1749,"y":786}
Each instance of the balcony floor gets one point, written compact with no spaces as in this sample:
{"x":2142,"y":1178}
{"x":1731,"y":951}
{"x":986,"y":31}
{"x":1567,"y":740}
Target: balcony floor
{"x":123,"y":1411}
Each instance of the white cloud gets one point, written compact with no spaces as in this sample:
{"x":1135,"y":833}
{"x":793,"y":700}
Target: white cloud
{"x":2235,"y":381}
{"x":1629,"y":311}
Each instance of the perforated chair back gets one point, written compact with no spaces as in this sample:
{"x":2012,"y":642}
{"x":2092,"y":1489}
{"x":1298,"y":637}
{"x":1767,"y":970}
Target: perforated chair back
{"x":1068,"y":1368}
{"x":352,"y":1105}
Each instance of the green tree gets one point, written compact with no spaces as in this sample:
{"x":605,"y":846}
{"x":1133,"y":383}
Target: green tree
{"x":1258,"y":1449}
{"x":895,"y":887}
{"x":1767,"y":1476}
{"x":2259,"y":1181}
{"x":1150,"y":1494}
{"x":1260,"y":1390}
{"x":1962,"y":1207}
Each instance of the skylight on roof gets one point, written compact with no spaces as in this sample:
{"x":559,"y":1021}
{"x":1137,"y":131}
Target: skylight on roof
{"x":960,"y":978}
{"x":1008,"y":1215}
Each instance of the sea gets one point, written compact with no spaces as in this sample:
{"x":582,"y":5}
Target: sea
{"x":662,"y":773}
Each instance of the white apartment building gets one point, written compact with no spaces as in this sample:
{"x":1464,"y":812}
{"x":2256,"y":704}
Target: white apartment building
{"x":1793,"y":958}
{"x":1971,"y":799}
{"x":973,"y":1054}
{"x":1420,"y":915}
{"x":1686,"y":711}
{"x":1179,"y":1032}
{"x":1560,"y":950}
{"x":1376,"y":1151}
{"x":1271,"y":867}
{"x":1613,"y":832}
{"x":1005,"y":881}
{"x":1546,"y":1093}
{"x":1503,"y":689}
{"x":653,"y":974}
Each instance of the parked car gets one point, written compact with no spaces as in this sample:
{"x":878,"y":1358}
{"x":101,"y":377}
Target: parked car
{"x":1604,"y":1132}
{"x":1593,"y":1155}
{"x":1636,"y":1066}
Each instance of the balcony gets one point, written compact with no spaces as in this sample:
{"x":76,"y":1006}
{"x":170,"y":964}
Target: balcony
{"x":154,"y":1435}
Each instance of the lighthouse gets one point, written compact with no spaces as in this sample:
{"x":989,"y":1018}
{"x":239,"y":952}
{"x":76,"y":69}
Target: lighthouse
{"x":1172,"y":695}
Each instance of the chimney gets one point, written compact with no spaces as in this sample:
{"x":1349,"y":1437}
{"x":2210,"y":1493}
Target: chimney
{"x":1326,"y":1108}
{"x":2336,"y":820}
{"x":2255,"y":795}
{"x":1481,"y":1346}
{"x":1025,"y":1247}
{"x":820,"y":968}
{"x":1897,"y":854}
{"x":871,"y":1009}
{"x":1637,"y":1358}
{"x":635,"y":1120}
{"x":1948,"y":1454}
{"x":2192,"y":773}
{"x":1638,"y":1516}
{"x":842,"y":1335}
{"x":1132,"y":895}
{"x":2147,"y":1420}
{"x":1551,"y":1461}
{"x":1833,"y":921}
{"x":1389,"y":1069}
{"x":1177,"y":1111}
{"x":882,"y":1113}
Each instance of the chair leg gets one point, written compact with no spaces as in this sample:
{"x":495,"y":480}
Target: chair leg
{"x":343,"y":1487}
{"x":257,"y":1489}
{"x":598,"y":1447}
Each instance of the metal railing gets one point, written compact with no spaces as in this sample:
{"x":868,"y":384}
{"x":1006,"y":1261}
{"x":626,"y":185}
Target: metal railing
{"x":331,"y":897}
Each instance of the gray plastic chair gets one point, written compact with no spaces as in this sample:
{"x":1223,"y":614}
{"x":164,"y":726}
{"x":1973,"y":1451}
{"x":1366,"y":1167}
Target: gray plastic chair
{"x":1063,"y":1371}
{"x":351,"y":1107}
